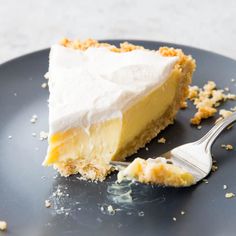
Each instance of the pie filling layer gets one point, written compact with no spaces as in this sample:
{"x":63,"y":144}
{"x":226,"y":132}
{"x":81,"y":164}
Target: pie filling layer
{"x":105,"y":104}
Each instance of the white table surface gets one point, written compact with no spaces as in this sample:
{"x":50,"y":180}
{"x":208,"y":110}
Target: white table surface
{"x":30,"y":25}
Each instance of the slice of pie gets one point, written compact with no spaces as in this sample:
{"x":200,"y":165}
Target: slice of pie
{"x":106,"y":102}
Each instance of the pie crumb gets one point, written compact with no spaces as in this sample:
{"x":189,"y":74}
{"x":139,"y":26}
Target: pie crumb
{"x":33,"y":119}
{"x":230,"y":96}
{"x":225,"y":113}
{"x":225,"y":186}
{"x":3,"y":225}
{"x":174,"y":219}
{"x":206,"y":100}
{"x":233,"y":108}
{"x":214,"y":168}
{"x":205,"y":181}
{"x":47,"y":203}
{"x":43,"y":135}
{"x":227,"y":146}
{"x":182,"y":212}
{"x":229,"y":195}
{"x":141,"y":213}
{"x":193,"y":92}
{"x":162,"y":140}
{"x":111,"y":210}
{"x":44,"y":85}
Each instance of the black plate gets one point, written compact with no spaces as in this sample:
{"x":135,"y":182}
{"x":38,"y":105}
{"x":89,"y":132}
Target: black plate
{"x":25,"y":184}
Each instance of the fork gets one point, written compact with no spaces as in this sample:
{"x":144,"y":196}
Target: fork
{"x":194,"y":157}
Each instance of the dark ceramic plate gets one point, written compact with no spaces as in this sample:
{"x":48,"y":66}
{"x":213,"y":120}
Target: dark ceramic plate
{"x":25,"y":184}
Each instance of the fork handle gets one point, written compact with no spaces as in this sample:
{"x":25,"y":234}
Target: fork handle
{"x":208,"y":139}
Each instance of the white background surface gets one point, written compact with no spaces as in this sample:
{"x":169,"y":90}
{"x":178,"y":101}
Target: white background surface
{"x":29,"y":25}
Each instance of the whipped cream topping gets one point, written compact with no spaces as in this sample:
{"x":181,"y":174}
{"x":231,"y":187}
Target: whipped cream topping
{"x":91,"y":86}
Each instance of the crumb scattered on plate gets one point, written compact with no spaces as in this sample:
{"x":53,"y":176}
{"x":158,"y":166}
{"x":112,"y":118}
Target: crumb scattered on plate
{"x":229,"y":195}
{"x":233,"y":108}
{"x":47,"y":203}
{"x":108,"y":210}
{"x":161,"y":140}
{"x":199,"y":127}
{"x":10,"y":137}
{"x":174,"y":219}
{"x":206,"y":100}
{"x":225,"y":186}
{"x":227,"y":146}
{"x":182,"y":212}
{"x":225,"y":113}
{"x":3,"y":225}
{"x":33,"y":119}
{"x":44,"y":85}
{"x":205,"y":181}
{"x":43,"y":135}
{"x":141,"y":213}
{"x":214,"y":168}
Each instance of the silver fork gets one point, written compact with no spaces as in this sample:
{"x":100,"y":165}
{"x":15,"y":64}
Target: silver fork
{"x":194,"y":157}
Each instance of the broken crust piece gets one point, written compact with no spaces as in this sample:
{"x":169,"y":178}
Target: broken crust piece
{"x":156,"y":171}
{"x":3,"y":225}
{"x":206,"y":100}
{"x":224,"y":114}
{"x":106,"y":102}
